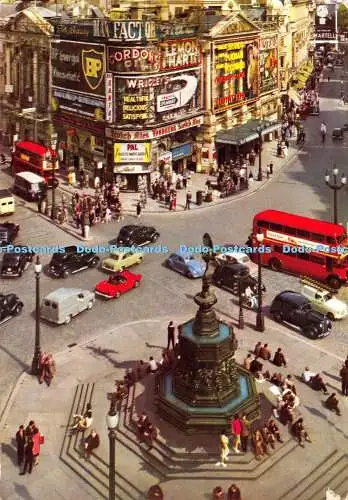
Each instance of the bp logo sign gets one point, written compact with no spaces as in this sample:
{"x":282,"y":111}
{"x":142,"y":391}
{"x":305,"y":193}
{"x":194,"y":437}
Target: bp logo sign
{"x":93,"y":67}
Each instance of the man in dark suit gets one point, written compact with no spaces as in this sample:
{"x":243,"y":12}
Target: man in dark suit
{"x":171,"y":335}
{"x":20,"y":440}
{"x":28,"y":454}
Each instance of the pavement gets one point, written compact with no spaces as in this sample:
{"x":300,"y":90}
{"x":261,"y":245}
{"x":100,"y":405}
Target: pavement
{"x":129,"y":199}
{"x":184,"y":466}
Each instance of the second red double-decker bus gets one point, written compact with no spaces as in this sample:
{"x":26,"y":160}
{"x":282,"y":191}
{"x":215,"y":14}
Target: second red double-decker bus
{"x":31,"y":157}
{"x":303,"y":246}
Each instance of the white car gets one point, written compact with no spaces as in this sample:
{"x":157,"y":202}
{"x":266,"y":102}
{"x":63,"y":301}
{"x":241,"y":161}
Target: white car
{"x":237,"y":258}
{"x":325,"y":302}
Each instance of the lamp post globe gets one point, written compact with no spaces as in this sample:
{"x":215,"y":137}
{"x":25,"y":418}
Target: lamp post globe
{"x":260,"y":320}
{"x":336,"y":185}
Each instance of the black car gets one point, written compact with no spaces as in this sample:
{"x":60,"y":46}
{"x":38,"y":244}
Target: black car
{"x":228,"y":276}
{"x":8,"y":232}
{"x":337,"y":133}
{"x":14,"y":263}
{"x":10,"y":305}
{"x":294,"y":308}
{"x":137,"y":235}
{"x":70,"y":262}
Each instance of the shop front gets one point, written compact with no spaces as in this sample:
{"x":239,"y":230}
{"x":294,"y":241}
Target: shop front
{"x":132,"y":164}
{"x":182,"y":158}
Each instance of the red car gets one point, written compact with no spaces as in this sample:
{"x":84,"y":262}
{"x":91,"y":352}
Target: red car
{"x":117,"y":284}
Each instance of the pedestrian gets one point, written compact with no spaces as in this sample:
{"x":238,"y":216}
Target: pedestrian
{"x":256,"y":367}
{"x":271,"y":168}
{"x":155,"y":493}
{"x":279,"y":358}
{"x":233,"y":493}
{"x":138,"y":209}
{"x":258,"y":346}
{"x":274,"y":429}
{"x":244,"y":435}
{"x":247,"y":362}
{"x":20,"y":440}
{"x":171,"y":335}
{"x":218,"y":493}
{"x":188,"y":199}
{"x":332,"y":404}
{"x":47,"y":368}
{"x":36,"y":445}
{"x":260,"y":447}
{"x":344,"y":379}
{"x":299,"y":432}
{"x":317,"y":384}
{"x":268,"y":171}
{"x":91,"y":443}
{"x":28,"y":457}
{"x":224,"y":449}
{"x":29,"y":429}
{"x":236,"y":429}
{"x":265,"y":353}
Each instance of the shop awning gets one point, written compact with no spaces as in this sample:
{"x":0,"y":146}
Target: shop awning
{"x":243,"y":134}
{"x":294,"y":95}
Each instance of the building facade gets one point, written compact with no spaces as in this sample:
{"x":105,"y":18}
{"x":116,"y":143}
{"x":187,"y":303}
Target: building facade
{"x":26,"y":89}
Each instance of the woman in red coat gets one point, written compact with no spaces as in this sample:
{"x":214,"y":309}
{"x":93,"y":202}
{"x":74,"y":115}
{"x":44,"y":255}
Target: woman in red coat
{"x":36,"y":445}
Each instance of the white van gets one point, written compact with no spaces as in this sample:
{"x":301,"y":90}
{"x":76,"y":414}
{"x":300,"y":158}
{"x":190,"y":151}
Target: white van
{"x":29,"y":185}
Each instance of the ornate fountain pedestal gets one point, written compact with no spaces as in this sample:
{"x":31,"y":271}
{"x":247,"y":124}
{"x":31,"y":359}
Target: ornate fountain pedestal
{"x":206,"y":387}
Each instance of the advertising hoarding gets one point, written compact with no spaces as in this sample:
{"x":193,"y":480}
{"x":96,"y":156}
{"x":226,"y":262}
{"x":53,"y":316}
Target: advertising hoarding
{"x":237,"y":73}
{"x":133,"y":59}
{"x":158,"y":98}
{"x":82,"y":104}
{"x":179,"y":54}
{"x":325,"y":21}
{"x":78,"y":67}
{"x":109,"y":97}
{"x":132,"y":152}
{"x":268,"y":64}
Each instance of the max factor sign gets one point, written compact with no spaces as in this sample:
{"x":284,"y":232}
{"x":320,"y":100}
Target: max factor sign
{"x":132,"y":31}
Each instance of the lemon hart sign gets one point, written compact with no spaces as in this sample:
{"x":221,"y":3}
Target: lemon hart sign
{"x":78,"y":67}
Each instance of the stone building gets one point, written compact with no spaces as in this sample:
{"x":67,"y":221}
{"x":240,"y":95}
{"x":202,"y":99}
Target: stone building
{"x":26,"y":75}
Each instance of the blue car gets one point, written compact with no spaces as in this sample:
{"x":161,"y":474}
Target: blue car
{"x":186,"y":264}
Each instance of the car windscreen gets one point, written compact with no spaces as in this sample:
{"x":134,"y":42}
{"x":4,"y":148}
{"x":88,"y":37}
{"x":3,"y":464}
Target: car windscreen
{"x":125,"y":232}
{"x":58,"y":257}
{"x":36,"y":187}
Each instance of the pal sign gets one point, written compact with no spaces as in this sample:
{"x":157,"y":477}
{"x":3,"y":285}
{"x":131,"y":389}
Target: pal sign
{"x":177,"y":99}
{"x":132,"y":152}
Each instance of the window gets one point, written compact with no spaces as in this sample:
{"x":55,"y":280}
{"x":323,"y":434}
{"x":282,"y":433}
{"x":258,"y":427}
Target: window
{"x":303,"y":256}
{"x":289,"y":230}
{"x":317,"y":237}
{"x":278,"y":249}
{"x":47,"y":303}
{"x":330,"y":239}
{"x":318,"y":260}
{"x":303,"y":234}
{"x":276,"y":227}
{"x":54,"y":306}
{"x":262,"y":223}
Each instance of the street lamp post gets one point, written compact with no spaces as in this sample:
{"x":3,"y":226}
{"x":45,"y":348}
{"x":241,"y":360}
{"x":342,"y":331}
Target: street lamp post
{"x":35,"y":366}
{"x":112,"y":423}
{"x":259,"y":131}
{"x":336,"y":185}
{"x":260,"y":320}
{"x":53,"y":180}
{"x":241,"y":311}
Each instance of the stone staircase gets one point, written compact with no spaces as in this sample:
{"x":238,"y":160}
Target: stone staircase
{"x":94,"y":472}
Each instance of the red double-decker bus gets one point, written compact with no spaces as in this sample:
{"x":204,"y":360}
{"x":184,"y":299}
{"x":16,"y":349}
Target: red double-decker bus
{"x":31,"y":157}
{"x":303,"y":246}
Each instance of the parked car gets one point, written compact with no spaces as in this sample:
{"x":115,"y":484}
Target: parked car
{"x":137,"y":235}
{"x":118,"y":284}
{"x":337,"y":133}
{"x":15,"y":263}
{"x":8,"y":233}
{"x":237,"y":258}
{"x":186,"y":264}
{"x":70,"y":262}
{"x":345,"y":127}
{"x":10,"y":305}
{"x":118,"y":261}
{"x":325,"y":302}
{"x":63,"y":304}
{"x":228,"y":276}
{"x":295,"y":309}
{"x":338,"y":62}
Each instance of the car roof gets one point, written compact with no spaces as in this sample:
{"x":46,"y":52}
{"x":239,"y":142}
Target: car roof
{"x":30,"y":177}
{"x":63,"y":293}
{"x":237,"y":255}
{"x":294,"y":297}
{"x":185,"y":255}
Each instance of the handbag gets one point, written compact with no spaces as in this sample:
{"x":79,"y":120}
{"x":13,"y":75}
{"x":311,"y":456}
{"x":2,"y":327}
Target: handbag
{"x":42,"y":439}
